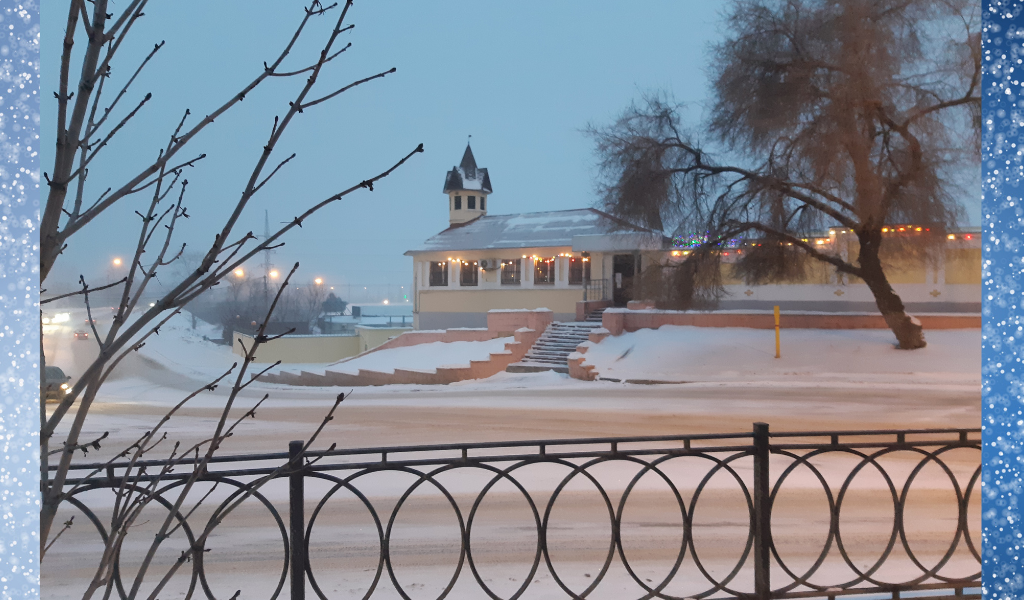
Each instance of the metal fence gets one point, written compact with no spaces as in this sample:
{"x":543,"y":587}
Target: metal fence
{"x":732,"y":515}
{"x":596,"y":289}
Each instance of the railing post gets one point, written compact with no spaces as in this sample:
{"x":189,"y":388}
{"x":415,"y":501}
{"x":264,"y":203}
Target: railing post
{"x":762,"y":514}
{"x":297,"y":521}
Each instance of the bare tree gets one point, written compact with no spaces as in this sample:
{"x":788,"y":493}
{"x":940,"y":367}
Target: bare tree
{"x":853,"y":114}
{"x":313,"y":298}
{"x":85,"y":128}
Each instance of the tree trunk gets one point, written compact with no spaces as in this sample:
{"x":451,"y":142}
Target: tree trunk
{"x":907,"y":329}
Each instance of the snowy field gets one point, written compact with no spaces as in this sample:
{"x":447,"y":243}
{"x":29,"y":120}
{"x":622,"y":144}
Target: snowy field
{"x":825,"y":380}
{"x":691,"y":354}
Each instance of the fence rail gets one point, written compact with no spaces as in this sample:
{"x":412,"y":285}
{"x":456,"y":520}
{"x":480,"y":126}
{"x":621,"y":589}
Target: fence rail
{"x":895,"y":486}
{"x":596,"y":289}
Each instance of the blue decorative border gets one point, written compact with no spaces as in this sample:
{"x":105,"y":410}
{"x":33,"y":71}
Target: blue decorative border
{"x":19,"y":297}
{"x":1003,"y":411}
{"x":1003,"y":260}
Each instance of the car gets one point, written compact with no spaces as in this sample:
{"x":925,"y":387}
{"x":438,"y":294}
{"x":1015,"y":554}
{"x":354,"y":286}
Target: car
{"x":81,"y":335}
{"x":56,"y":384}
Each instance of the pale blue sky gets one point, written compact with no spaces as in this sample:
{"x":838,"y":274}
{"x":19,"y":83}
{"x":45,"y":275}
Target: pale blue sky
{"x":523,"y":78}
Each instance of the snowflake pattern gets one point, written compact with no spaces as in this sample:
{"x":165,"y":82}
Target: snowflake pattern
{"x":1002,"y":329}
{"x":19,"y":295}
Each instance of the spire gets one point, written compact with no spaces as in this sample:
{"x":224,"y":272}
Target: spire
{"x":467,"y":176}
{"x":468,"y":164}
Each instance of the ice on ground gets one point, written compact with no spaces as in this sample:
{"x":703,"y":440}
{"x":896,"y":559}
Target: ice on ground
{"x":684,"y":353}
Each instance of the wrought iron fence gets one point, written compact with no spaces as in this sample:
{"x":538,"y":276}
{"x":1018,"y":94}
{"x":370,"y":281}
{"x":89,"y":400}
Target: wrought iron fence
{"x":738,"y":511}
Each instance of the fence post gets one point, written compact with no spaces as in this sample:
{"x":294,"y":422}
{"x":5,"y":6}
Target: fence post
{"x":297,"y":521}
{"x":762,"y":514}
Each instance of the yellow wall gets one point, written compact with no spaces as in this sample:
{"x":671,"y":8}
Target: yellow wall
{"x":319,"y":348}
{"x":302,"y":349}
{"x":558,"y":300}
{"x":963,"y":265}
{"x":371,"y":337}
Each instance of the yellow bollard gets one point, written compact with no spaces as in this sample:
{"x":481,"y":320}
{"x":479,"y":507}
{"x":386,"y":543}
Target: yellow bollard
{"x":778,"y":354}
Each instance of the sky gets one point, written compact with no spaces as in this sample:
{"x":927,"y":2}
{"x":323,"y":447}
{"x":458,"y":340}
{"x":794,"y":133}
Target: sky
{"x":523,"y":79}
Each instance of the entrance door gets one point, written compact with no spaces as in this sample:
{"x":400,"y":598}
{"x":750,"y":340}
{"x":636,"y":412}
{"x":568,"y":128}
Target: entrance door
{"x":623,"y":273}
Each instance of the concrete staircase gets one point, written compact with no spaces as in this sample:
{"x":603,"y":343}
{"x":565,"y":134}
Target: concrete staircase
{"x":551,"y":351}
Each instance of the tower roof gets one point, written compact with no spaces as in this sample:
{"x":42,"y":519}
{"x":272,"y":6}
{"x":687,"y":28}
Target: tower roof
{"x":467,"y":176}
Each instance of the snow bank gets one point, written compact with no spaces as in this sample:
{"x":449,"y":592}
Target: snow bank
{"x":184,"y":350}
{"x":683,"y":353}
{"x":421,"y":357}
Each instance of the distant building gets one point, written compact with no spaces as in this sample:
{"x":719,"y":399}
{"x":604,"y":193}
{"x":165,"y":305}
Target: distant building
{"x":521,"y":261}
{"x":366,"y":315}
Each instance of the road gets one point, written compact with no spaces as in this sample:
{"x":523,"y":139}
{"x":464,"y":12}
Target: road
{"x":247,"y":551}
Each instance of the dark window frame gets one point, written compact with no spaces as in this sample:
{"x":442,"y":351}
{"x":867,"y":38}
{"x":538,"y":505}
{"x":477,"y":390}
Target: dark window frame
{"x":438,"y":274}
{"x":469,"y":274}
{"x":579,"y":270}
{"x":483,"y":202}
{"x":471,"y":202}
{"x":511,"y":271}
{"x":544,"y":271}
{"x":458,"y":203}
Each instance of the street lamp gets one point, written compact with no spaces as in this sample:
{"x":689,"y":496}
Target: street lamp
{"x":273,"y":274}
{"x":117,"y":262}
{"x":318,"y":281}
{"x":239,"y":273}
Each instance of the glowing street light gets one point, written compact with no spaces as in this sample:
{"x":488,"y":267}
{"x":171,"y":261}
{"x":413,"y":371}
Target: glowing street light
{"x":239,"y":273}
{"x":318,"y":281}
{"x":117,"y":262}
{"x":273,"y":274}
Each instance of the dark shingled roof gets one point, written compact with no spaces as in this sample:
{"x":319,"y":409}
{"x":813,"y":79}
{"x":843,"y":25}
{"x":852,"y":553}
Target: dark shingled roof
{"x":467,"y":176}
{"x":526,"y":230}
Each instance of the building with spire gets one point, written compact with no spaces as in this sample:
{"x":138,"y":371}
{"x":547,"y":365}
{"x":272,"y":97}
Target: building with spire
{"x":533,"y":260}
{"x":559,"y":259}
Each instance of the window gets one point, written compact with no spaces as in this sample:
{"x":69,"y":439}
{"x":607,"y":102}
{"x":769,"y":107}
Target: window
{"x":469,"y":272}
{"x":544,"y":270}
{"x":483,"y":202}
{"x":579,"y":270}
{"x":511,"y":272}
{"x":439,"y":273}
{"x":471,"y":202}
{"x":458,"y":203}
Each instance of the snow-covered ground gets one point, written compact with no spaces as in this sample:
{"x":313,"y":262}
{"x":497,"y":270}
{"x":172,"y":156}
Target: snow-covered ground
{"x":688,"y":354}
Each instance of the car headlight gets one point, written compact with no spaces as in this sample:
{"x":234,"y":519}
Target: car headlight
{"x":65,"y":387}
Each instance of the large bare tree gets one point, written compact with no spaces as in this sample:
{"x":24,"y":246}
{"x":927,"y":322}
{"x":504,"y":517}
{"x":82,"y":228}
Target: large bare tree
{"x":89,"y":117}
{"x":855,"y":114}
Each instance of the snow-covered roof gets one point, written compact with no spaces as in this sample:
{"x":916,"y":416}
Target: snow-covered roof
{"x":467,"y":176}
{"x":526,"y":230}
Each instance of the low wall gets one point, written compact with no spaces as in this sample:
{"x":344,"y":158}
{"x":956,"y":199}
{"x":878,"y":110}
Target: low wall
{"x":527,"y":326}
{"x":506,"y":322}
{"x":300,"y":348}
{"x":585,"y":307}
{"x":618,"y":320}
